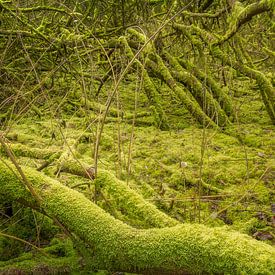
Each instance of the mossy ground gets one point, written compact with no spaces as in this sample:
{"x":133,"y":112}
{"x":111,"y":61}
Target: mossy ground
{"x":192,"y":174}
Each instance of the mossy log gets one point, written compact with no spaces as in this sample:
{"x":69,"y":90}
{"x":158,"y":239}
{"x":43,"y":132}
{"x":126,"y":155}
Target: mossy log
{"x":123,"y":197}
{"x":131,"y":202}
{"x":182,"y":249}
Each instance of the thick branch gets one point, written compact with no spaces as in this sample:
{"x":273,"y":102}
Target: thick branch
{"x":124,"y":198}
{"x":188,"y":248}
{"x":245,"y":16}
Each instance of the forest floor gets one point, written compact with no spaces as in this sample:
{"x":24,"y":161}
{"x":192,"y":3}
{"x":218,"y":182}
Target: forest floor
{"x":195,"y":175}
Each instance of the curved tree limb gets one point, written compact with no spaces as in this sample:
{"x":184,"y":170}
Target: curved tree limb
{"x":125,"y":198}
{"x":245,"y":16}
{"x":187,"y":248}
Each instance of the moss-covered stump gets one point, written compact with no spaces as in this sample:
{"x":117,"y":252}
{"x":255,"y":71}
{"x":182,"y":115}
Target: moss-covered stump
{"x":187,"y":248}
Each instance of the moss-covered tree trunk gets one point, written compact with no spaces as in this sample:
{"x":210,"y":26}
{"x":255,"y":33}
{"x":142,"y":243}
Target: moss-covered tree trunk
{"x":182,"y":249}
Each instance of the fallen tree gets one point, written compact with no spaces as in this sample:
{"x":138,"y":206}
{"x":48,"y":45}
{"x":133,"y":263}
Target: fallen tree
{"x":181,"y":249}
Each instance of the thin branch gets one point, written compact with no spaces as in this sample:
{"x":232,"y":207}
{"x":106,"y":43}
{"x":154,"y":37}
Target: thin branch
{"x":15,"y":32}
{"x":40,"y":8}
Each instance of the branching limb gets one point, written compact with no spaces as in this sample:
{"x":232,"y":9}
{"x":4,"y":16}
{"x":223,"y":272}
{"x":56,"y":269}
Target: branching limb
{"x":187,"y":248}
{"x":184,"y":95}
{"x":245,"y":16}
{"x":265,"y":87}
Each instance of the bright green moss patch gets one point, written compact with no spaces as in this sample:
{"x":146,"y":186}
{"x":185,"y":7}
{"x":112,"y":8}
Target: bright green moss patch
{"x":131,"y":203}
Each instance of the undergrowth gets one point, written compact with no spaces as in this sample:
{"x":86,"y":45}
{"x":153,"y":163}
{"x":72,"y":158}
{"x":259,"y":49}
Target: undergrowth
{"x":218,"y":178}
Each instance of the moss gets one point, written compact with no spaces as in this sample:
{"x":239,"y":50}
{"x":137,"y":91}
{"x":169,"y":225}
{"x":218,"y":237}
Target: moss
{"x":61,"y":258}
{"x":193,"y":248}
{"x":131,"y":202}
{"x":156,"y":157}
{"x":156,"y":64}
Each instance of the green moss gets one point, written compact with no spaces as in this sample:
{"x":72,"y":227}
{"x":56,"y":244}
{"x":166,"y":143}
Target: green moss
{"x":193,"y":248}
{"x":61,"y":258}
{"x":131,"y":203}
{"x":148,"y":86}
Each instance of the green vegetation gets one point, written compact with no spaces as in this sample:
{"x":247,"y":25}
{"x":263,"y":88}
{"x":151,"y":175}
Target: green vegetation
{"x":137,"y":137}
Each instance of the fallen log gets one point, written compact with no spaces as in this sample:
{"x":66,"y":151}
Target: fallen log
{"x":182,"y":249}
